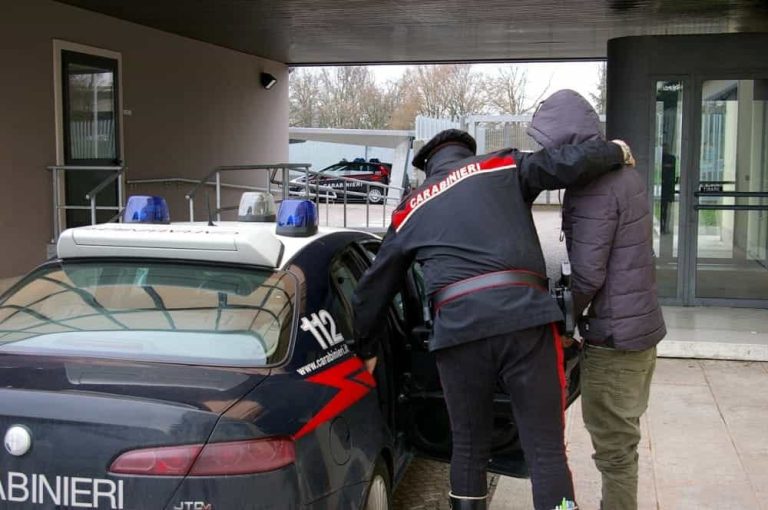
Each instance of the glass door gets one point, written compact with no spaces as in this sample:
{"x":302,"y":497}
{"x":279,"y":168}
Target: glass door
{"x":665,"y":186}
{"x":731,"y":194}
{"x":90,"y":105}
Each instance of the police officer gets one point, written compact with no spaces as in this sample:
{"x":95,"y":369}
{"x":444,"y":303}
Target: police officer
{"x":470,"y":227}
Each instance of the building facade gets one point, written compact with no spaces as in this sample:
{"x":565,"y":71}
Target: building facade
{"x":82,"y":88}
{"x":695,"y":110}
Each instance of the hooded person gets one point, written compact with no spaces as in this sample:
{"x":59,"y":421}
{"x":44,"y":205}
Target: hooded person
{"x":608,"y":230}
{"x":469,"y":226}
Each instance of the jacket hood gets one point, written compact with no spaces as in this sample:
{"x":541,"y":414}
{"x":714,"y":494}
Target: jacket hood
{"x":563,"y":118}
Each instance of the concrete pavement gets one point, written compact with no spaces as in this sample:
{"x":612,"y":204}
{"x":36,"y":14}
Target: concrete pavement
{"x":704,"y":446}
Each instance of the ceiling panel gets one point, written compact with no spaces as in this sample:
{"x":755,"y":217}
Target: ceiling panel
{"x":390,"y":31}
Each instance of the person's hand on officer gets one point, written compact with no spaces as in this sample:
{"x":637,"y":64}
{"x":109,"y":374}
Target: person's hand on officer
{"x":629,"y":159}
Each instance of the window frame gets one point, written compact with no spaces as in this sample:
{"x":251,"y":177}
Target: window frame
{"x":77,"y":55}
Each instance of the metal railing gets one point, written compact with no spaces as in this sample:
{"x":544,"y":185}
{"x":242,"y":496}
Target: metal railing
{"x":185,"y":180}
{"x":215,"y":174}
{"x":279,"y":182}
{"x":57,"y":174}
{"x":730,"y":194}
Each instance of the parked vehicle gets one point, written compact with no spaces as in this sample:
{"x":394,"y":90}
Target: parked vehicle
{"x":362,"y":171}
{"x":185,"y":365}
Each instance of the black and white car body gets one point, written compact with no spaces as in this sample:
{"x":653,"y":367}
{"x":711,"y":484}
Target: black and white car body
{"x":188,"y":366}
{"x":359,"y":180}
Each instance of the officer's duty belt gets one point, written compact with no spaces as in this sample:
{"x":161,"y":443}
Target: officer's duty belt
{"x":513,"y":277}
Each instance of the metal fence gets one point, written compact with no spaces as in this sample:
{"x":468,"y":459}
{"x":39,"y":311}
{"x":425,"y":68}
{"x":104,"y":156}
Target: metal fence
{"x":334,"y":203}
{"x":496,"y":132}
{"x":427,"y":127}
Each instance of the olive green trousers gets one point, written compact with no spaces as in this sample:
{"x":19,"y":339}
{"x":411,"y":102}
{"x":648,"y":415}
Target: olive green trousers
{"x":615,"y":386}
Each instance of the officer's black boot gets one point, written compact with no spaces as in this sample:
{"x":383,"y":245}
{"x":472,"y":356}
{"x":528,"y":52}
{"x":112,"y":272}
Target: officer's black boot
{"x":467,"y":503}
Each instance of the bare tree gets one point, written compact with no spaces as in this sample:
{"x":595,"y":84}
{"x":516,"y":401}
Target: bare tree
{"x":445,"y":90}
{"x":507,"y":91}
{"x":304,"y":98}
{"x":380,"y":109}
{"x":349,"y":97}
{"x":599,"y":97}
{"x":340,"y":97}
{"x":407,"y":106}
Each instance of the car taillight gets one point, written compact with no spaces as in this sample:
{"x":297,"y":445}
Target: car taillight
{"x":163,"y":461}
{"x":214,"y":459}
{"x":384,"y":169}
{"x":242,"y":457}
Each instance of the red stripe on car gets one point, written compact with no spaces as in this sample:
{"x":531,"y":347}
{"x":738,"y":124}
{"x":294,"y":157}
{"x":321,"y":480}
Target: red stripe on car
{"x":352,"y":385}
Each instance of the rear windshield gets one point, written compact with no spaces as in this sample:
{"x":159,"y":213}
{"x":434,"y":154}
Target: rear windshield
{"x":152,"y":311}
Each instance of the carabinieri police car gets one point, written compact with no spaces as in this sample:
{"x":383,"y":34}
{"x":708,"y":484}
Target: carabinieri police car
{"x":206,"y":366}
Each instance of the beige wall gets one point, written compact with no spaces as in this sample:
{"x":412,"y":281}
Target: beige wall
{"x":194,"y":106}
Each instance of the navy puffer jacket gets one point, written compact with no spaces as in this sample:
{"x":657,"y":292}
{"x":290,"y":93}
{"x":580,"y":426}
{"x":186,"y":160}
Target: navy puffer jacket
{"x":608,"y":229}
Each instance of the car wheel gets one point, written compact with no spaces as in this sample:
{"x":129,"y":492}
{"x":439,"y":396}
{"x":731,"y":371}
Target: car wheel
{"x":375,"y":196}
{"x":379,"y":495}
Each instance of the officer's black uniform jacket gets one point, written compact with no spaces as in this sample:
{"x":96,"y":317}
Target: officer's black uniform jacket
{"x":472,"y":216}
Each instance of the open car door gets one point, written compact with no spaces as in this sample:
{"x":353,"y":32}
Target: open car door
{"x":429,"y":426}
{"x":421,"y":408}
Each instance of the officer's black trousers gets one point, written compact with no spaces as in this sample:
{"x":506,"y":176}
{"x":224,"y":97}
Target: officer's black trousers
{"x":527,"y":364}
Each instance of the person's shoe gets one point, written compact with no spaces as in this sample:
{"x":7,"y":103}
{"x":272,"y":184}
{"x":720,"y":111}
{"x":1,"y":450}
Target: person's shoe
{"x":569,"y":505}
{"x":468,"y":502}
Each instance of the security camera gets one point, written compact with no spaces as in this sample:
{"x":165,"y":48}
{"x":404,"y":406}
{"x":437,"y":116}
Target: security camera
{"x":268,"y":81}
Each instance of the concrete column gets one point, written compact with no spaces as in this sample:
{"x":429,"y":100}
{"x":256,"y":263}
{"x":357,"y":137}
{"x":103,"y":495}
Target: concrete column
{"x":400,"y":165}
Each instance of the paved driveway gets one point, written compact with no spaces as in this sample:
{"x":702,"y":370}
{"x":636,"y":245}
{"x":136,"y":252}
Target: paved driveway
{"x":705,"y":442}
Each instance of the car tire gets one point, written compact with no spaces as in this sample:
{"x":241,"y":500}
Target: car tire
{"x":378,"y":496}
{"x":375,"y":196}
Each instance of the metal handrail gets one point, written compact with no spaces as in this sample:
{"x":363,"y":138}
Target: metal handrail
{"x":91,"y":195}
{"x":184,"y":180}
{"x":734,"y":194}
{"x":56,"y":170}
{"x":84,"y":167}
{"x":346,"y":193}
{"x":103,"y":184}
{"x":718,"y":207}
{"x":216,"y":174}
{"x":315,"y":191}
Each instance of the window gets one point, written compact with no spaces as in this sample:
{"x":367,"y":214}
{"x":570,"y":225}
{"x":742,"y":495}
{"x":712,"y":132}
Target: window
{"x":398,"y":304}
{"x":339,"y":170}
{"x":343,"y":281}
{"x":90,"y":85}
{"x":152,"y":311}
{"x":732,"y":226}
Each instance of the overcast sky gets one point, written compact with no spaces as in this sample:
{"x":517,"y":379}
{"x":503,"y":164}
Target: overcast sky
{"x":579,"y":76}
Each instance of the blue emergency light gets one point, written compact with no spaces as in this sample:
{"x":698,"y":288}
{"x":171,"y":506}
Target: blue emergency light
{"x":146,"y":209}
{"x":297,"y":218}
